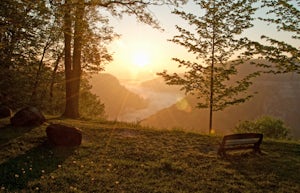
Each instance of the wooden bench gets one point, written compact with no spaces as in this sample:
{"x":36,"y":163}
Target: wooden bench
{"x":240,"y":141}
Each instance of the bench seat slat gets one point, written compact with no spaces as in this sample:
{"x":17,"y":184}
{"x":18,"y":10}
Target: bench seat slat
{"x":240,"y":147}
{"x":241,"y":141}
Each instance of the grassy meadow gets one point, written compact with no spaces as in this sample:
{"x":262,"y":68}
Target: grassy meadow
{"x":120,"y":157}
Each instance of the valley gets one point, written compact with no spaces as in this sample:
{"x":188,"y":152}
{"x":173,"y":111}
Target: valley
{"x":156,"y":104}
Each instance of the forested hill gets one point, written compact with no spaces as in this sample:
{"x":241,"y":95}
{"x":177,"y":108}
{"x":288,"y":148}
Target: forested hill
{"x":117,"y":99}
{"x":278,"y":96}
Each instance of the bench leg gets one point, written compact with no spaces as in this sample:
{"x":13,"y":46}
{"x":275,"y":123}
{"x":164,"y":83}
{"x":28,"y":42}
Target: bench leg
{"x":221,"y":152}
{"x":257,"y":149}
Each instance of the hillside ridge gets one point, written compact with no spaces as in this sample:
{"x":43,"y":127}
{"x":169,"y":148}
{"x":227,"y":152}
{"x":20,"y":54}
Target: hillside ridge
{"x":122,"y":157}
{"x":277,"y":96}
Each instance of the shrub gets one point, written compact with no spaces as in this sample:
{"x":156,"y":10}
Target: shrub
{"x":269,"y":126}
{"x":91,"y":106}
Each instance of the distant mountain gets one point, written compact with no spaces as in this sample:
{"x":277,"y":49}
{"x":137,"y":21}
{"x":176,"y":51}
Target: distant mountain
{"x":159,"y":85}
{"x":117,"y":99}
{"x":278,"y":96}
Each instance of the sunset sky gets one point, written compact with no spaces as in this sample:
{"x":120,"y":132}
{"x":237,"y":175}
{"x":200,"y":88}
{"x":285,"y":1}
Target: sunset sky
{"x":142,"y":51}
{"x":140,"y":43}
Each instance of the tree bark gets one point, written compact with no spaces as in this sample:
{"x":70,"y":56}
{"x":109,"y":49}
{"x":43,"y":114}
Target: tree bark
{"x":73,"y":64}
{"x":211,"y":99}
{"x":68,"y":61}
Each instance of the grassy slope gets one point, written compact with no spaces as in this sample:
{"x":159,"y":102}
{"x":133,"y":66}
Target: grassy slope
{"x":117,"y":157}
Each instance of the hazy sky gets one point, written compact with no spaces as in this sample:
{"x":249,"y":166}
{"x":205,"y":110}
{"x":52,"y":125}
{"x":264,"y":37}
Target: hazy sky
{"x":140,"y":40}
{"x":142,"y":51}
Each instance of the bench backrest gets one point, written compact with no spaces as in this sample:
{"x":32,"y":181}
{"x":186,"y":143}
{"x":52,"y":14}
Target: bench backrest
{"x":242,"y":139}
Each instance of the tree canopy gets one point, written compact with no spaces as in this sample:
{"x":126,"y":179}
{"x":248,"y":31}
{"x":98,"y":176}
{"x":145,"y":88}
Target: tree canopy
{"x":214,"y":40}
{"x":282,"y":56}
{"x":42,"y":41}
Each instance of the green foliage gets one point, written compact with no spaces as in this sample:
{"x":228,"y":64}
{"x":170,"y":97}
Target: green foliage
{"x":269,"y":126}
{"x":87,"y":32}
{"x":25,"y":36}
{"x":89,"y":104}
{"x":95,"y":35}
{"x":21,"y":31}
{"x":214,"y":39}
{"x":31,"y":54}
{"x":18,"y":94}
{"x":284,"y":57}
{"x":32,"y":47}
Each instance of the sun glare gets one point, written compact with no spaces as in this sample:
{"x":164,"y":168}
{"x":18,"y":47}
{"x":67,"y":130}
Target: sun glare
{"x":140,"y":59}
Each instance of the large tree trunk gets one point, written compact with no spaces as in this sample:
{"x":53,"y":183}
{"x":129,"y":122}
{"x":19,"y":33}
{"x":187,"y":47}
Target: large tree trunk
{"x":73,"y":67}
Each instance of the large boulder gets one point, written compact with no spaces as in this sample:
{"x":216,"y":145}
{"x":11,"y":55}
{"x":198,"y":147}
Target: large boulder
{"x":28,"y":116}
{"x":61,"y":135}
{"x":5,"y":112}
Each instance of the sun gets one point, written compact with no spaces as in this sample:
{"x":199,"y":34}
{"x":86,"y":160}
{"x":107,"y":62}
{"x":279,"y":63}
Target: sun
{"x":140,"y":59}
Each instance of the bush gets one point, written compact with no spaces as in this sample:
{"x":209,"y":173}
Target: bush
{"x":91,"y":106}
{"x":269,"y":126}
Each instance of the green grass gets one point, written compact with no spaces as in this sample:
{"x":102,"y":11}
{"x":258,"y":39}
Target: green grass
{"x":119,"y":157}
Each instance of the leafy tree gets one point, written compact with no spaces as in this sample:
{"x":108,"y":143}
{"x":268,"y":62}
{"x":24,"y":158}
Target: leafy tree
{"x":21,"y":25}
{"x":50,"y":54}
{"x":90,"y":104}
{"x":31,"y":50}
{"x":75,"y":29}
{"x":269,"y":126}
{"x":21,"y":40}
{"x":214,"y":40}
{"x":283,"y":57}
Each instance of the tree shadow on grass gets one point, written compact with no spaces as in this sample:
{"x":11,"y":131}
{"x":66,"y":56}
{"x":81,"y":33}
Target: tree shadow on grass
{"x":247,"y":166}
{"x":36,"y":162}
{"x":9,"y":132}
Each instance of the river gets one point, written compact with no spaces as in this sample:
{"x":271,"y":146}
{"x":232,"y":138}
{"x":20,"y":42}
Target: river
{"x":157,"y":101}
